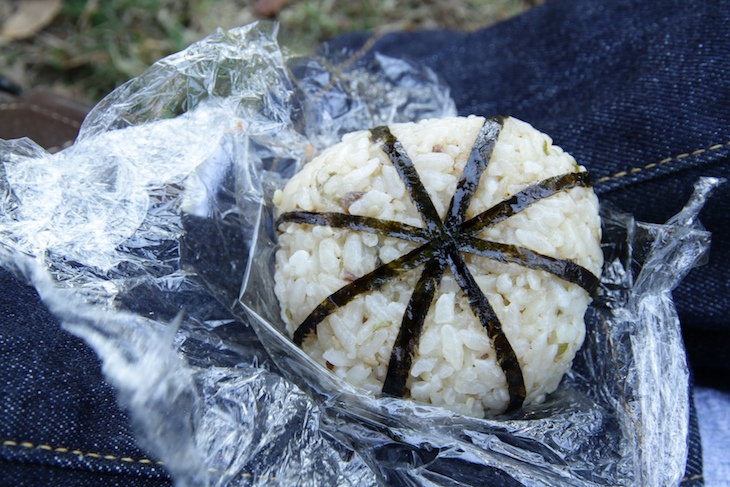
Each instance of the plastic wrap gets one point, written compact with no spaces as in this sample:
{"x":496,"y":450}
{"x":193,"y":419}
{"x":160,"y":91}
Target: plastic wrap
{"x":151,"y":238}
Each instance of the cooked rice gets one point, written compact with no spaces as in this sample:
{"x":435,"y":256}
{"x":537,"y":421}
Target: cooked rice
{"x":455,"y":365}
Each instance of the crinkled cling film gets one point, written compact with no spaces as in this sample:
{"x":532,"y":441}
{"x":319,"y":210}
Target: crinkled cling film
{"x":152,"y":239}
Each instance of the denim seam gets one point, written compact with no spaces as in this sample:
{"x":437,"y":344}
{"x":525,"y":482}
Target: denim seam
{"x":145,"y":461}
{"x":653,"y":165}
{"x":32,"y":446}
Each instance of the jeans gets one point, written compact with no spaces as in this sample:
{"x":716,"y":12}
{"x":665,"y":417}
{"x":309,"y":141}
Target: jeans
{"x":637,"y":90}
{"x":59,"y":421}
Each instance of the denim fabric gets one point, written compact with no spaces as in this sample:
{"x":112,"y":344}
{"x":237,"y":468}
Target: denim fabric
{"x":715,"y":428}
{"x":637,"y":90}
{"x":59,"y":421}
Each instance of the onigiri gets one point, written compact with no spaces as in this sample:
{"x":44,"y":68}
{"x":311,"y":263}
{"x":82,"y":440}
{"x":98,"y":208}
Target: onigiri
{"x":450,"y":261}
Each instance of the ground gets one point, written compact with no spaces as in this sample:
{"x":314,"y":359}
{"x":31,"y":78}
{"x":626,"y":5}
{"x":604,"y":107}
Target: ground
{"x":85,"y":48}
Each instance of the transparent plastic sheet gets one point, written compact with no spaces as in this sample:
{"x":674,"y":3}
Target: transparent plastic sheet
{"x":152,"y":239}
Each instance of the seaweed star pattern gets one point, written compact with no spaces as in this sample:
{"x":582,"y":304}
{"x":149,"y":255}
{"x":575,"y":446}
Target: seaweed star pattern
{"x":441,"y":245}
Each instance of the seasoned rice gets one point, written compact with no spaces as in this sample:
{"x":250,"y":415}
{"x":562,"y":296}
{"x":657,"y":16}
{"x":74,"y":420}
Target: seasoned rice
{"x":455,"y":365}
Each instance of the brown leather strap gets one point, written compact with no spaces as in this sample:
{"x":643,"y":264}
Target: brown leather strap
{"x":51,"y":120}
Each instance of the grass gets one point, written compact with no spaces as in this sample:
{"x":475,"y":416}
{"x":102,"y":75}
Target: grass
{"x":92,"y":46}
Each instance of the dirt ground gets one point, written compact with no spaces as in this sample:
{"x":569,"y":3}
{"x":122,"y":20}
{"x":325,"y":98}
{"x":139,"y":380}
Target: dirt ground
{"x":85,"y":48}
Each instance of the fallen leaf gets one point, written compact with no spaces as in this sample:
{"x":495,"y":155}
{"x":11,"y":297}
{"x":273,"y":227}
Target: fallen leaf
{"x":29,"y":18}
{"x":268,"y":8}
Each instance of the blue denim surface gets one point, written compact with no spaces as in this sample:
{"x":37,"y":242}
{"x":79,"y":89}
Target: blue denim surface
{"x":637,"y":90}
{"x":59,"y":421}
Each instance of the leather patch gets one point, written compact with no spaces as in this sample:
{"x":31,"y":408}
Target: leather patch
{"x":51,"y":120}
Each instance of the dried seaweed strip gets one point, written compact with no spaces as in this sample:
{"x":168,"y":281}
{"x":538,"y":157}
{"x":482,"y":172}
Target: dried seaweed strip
{"x":369,"y":282}
{"x":404,"y":166}
{"x":409,"y":334}
{"x":513,"y":254}
{"x":357,"y":222}
{"x":518,"y":202}
{"x":479,"y":157}
{"x":506,"y":356}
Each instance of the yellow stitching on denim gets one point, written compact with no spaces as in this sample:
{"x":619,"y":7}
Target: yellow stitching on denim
{"x":28,"y":445}
{"x":652,"y":165}
{"x":147,"y":461}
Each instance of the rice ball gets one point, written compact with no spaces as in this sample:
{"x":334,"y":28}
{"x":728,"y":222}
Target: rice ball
{"x":449,"y":261}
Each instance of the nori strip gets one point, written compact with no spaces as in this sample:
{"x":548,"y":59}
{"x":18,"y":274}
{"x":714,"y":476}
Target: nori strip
{"x":518,"y":202}
{"x":406,"y":344}
{"x":407,"y":172}
{"x":442,"y":243}
{"x":506,"y":356}
{"x":357,"y":222}
{"x":368,"y":282}
{"x":562,"y":268}
{"x":479,"y":157}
